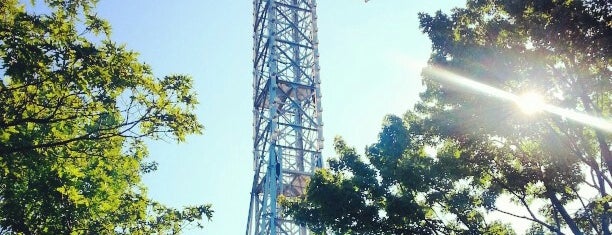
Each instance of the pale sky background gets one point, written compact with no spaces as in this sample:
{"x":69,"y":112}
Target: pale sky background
{"x":370,"y":59}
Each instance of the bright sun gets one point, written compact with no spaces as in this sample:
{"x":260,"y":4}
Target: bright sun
{"x":530,"y":102}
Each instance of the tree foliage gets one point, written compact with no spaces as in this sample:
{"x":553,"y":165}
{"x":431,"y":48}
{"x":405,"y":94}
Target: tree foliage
{"x":545,"y":163}
{"x":396,"y":189}
{"x":75,"y":108}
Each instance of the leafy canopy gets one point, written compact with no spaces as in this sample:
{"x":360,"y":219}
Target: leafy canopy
{"x":75,"y":108}
{"x":396,"y":189}
{"x":555,"y":169}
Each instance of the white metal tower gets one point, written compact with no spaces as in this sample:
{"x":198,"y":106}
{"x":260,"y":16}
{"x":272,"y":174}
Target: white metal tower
{"x":287,"y":126}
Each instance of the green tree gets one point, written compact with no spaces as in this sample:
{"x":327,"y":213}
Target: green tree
{"x":75,"y":108}
{"x":396,"y":189}
{"x":560,"y":49}
{"x":485,"y":146}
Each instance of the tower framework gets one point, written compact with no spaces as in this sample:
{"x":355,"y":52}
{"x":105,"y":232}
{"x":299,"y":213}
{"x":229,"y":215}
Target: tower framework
{"x":287,"y":124}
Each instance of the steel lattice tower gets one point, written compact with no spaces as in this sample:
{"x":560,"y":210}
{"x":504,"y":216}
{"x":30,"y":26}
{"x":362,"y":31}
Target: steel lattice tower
{"x":288,"y":138}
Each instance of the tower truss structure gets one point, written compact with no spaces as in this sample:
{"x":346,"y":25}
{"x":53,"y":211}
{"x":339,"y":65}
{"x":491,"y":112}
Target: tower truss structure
{"x":287,"y":124}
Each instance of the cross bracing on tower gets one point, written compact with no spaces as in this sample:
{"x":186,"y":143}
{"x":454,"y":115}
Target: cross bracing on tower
{"x":288,"y":138}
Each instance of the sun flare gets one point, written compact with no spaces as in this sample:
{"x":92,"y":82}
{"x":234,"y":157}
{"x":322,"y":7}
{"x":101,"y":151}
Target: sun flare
{"x":530,"y":103}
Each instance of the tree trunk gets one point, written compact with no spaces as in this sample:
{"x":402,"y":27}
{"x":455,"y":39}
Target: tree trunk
{"x":601,"y":139}
{"x":606,"y":156}
{"x":605,"y":149}
{"x":604,"y":218}
{"x":561,"y":209}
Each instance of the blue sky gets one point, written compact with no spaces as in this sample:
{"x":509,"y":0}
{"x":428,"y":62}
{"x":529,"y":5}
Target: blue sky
{"x":370,"y":59}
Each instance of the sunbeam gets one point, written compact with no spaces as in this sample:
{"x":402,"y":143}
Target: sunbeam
{"x":530,"y":103}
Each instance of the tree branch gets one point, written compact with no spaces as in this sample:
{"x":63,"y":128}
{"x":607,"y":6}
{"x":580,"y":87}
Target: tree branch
{"x":551,"y":228}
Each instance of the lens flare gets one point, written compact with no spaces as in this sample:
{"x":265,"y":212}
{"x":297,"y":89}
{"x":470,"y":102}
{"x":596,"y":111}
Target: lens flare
{"x":530,"y":103}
